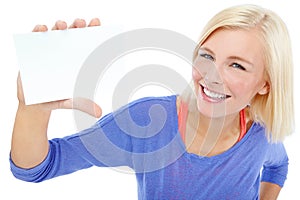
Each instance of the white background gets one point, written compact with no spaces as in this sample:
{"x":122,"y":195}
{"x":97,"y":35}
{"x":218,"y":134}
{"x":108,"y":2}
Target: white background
{"x":186,"y":17}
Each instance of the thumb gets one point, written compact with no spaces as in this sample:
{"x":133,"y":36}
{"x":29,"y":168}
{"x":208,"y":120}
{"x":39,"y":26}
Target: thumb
{"x":20,"y":93}
{"x":82,"y":104}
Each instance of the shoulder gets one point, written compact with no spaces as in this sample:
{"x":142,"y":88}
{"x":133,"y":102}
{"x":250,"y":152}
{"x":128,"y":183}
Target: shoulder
{"x":145,"y":109}
{"x":258,"y":138}
{"x":167,"y":102}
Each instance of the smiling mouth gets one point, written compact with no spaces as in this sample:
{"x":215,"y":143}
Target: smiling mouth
{"x":211,"y":95}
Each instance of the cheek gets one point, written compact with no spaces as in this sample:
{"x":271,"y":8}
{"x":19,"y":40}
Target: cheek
{"x":239,"y":89}
{"x":196,"y":75}
{"x":243,"y":88}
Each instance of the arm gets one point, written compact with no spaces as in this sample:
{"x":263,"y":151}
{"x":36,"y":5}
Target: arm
{"x":29,"y":145}
{"x":269,"y":191}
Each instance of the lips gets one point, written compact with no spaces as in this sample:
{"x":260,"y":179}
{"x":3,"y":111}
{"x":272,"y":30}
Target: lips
{"x":212,"y":96}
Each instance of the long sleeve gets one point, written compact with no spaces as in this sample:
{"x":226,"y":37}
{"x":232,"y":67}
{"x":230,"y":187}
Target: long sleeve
{"x":103,"y":144}
{"x":275,"y":168}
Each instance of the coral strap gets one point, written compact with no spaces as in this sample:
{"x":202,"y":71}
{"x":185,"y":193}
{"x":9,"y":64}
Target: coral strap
{"x":182,"y":117}
{"x":242,"y":124}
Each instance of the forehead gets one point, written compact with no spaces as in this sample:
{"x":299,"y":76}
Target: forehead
{"x":236,"y":42}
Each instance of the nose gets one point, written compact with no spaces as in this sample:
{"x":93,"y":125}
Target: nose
{"x":212,"y":75}
{"x":210,"y":71}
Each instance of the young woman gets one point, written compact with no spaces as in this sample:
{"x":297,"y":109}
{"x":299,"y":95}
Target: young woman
{"x":220,"y":140}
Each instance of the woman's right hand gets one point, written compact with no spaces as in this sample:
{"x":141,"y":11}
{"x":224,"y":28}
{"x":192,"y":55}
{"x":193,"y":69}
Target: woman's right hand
{"x":82,"y":104}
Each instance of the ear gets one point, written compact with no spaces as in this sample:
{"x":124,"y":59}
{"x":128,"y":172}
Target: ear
{"x":265,"y":89}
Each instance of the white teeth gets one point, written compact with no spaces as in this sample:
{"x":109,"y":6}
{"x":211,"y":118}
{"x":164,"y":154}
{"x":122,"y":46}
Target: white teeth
{"x":213,"y":94}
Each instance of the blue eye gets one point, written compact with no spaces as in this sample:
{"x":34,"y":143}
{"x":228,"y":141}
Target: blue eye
{"x":207,"y":56}
{"x":237,"y":66}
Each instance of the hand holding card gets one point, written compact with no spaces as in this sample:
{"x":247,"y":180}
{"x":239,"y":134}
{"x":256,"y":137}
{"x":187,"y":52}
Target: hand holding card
{"x":49,"y":61}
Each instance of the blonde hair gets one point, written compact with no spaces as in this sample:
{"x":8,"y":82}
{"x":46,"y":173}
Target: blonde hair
{"x":275,"y":110}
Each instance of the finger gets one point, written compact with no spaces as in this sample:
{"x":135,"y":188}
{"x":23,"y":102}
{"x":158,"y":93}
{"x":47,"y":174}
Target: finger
{"x":40,"y":28}
{"x":87,"y":106}
{"x":78,"y":23}
{"x":95,"y":22}
{"x":60,"y":25}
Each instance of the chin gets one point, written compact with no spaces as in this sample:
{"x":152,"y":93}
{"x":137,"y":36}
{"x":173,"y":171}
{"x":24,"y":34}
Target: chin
{"x":212,"y":110}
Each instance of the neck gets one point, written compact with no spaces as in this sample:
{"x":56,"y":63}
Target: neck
{"x":210,"y":136}
{"x":219,"y":127}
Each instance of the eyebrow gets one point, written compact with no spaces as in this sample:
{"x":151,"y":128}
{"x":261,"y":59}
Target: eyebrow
{"x":206,"y":49}
{"x":241,"y":59}
{"x":230,"y":57}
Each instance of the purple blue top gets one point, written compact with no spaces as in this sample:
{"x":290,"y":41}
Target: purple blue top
{"x":144,"y":136}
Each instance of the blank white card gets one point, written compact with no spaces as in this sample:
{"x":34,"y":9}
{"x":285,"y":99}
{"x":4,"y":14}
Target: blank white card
{"x":49,"y":62}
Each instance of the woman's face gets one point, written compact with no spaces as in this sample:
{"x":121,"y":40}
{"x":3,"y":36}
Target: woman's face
{"x":229,"y":72}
